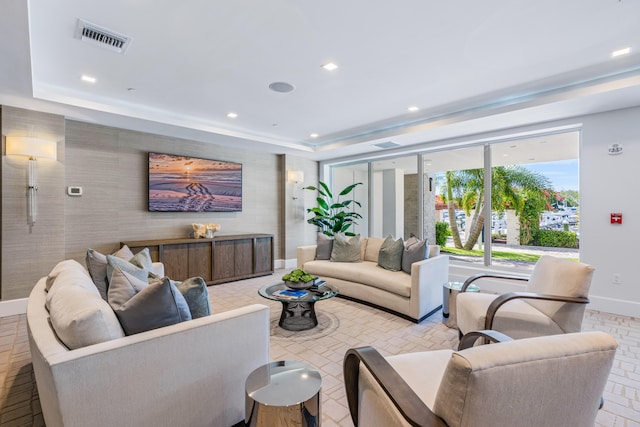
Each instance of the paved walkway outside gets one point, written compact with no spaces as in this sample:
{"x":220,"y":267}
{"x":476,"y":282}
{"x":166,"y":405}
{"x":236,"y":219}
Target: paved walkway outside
{"x":536,"y":250}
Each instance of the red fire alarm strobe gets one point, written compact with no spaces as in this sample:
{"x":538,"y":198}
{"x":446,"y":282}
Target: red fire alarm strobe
{"x":616,"y":218}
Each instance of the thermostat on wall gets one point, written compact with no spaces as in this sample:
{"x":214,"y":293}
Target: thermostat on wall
{"x":74,"y":191}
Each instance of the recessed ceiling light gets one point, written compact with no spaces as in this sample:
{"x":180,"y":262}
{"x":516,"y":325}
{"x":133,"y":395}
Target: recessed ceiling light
{"x":314,"y":135}
{"x":413,"y":108}
{"x":513,"y":146}
{"x":131,"y":89}
{"x":330,"y":66}
{"x":232,"y":115}
{"x":88,"y":79}
{"x":621,"y":52}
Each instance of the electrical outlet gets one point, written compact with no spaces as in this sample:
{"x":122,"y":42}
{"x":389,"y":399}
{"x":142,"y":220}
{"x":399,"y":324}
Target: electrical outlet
{"x":616,"y":279}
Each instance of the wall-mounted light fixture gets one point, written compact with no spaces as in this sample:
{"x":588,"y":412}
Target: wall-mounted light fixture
{"x":295,"y":177}
{"x":34,"y":148}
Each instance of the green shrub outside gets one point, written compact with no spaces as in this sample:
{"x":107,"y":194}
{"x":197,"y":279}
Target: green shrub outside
{"x":442,"y":232}
{"x":555,"y":239}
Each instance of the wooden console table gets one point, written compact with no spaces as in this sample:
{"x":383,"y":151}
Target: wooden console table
{"x":217,"y":260}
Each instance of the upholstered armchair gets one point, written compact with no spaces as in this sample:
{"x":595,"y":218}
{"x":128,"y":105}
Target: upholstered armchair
{"x":544,"y":381}
{"x":554,"y":302}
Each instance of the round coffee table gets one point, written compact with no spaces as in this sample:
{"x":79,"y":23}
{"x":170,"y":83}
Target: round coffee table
{"x":298,"y":314}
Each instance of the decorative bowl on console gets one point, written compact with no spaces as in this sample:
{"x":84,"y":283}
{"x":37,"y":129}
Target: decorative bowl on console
{"x":298,"y":279}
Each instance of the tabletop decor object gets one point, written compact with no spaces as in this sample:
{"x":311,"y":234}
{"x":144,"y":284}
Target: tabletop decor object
{"x":299,"y":279}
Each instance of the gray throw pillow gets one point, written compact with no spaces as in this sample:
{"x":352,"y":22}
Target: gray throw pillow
{"x":141,"y":307}
{"x":140,"y":273}
{"x":195,"y":292}
{"x":325,"y":246}
{"x":97,"y":267}
{"x":414,"y":250}
{"x":346,"y":249}
{"x":143,"y":260}
{"x":390,"y":255}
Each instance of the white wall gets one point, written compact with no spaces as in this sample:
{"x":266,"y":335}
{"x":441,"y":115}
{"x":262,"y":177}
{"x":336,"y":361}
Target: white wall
{"x":392,"y":202}
{"x":609,"y":184}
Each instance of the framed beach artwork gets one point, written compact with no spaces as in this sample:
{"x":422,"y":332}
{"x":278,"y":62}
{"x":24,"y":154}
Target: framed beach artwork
{"x":192,"y":184}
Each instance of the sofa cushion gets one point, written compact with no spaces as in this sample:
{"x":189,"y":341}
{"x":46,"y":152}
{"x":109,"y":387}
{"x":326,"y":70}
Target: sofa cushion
{"x":143,"y":260}
{"x":372,"y":248}
{"x":71,"y":269}
{"x":366,"y":272}
{"x":97,"y":265}
{"x":346,"y":249}
{"x":140,"y":273}
{"x":414,"y":250}
{"x":78,"y":314}
{"x":390,"y":256}
{"x":195,"y":292}
{"x":141,"y":307}
{"x":324,"y":247}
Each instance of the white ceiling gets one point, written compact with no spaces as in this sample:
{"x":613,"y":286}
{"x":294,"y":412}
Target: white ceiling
{"x":470,"y":66}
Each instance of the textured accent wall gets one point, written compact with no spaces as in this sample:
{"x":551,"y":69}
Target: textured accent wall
{"x":112,"y":167}
{"x":296,"y":201}
{"x":30,"y":251}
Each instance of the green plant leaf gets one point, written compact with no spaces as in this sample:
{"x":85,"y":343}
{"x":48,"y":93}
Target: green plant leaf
{"x":324,"y":205}
{"x":349,"y":188}
{"x":326,"y":189}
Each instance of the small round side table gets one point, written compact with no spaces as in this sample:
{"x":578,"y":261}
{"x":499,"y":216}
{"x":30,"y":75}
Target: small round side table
{"x":450,"y":291}
{"x":283,"y":393}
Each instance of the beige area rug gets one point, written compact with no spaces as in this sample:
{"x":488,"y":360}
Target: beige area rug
{"x":342,"y":325}
{"x":328,"y":323}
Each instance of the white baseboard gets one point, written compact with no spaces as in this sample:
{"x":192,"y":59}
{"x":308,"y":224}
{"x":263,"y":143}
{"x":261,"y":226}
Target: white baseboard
{"x":285,"y":263}
{"x":614,"y":306}
{"x":291,"y":263}
{"x":13,"y":307}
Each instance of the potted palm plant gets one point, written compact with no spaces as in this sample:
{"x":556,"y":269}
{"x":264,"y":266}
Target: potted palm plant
{"x":333,"y":216}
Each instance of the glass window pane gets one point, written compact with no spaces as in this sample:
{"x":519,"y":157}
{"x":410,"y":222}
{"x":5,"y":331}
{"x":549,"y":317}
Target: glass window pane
{"x":536,"y":205}
{"x":342,"y":177}
{"x":457,"y":177}
{"x":395,"y":197}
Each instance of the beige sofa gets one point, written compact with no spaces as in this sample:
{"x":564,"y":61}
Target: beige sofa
{"x":413,"y":296}
{"x":178,"y":375}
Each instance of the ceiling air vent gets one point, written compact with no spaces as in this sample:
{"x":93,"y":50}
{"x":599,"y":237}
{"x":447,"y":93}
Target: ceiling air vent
{"x":102,"y":37}
{"x":388,"y":144}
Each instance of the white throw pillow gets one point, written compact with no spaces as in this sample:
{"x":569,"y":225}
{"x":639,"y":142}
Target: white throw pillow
{"x":79,"y":316}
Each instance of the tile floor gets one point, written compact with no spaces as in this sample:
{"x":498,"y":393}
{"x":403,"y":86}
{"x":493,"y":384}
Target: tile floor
{"x":343,"y":324}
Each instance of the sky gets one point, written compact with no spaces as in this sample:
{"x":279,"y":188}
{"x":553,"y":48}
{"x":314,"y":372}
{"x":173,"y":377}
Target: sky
{"x":563,"y":174}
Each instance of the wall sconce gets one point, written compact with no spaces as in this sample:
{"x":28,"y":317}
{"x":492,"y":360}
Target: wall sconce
{"x":34,"y":148}
{"x":295,"y":177}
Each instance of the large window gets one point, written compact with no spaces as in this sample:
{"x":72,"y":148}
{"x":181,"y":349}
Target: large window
{"x":526,"y":206}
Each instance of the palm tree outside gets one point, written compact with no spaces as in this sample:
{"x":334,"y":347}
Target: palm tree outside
{"x":513,"y":187}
